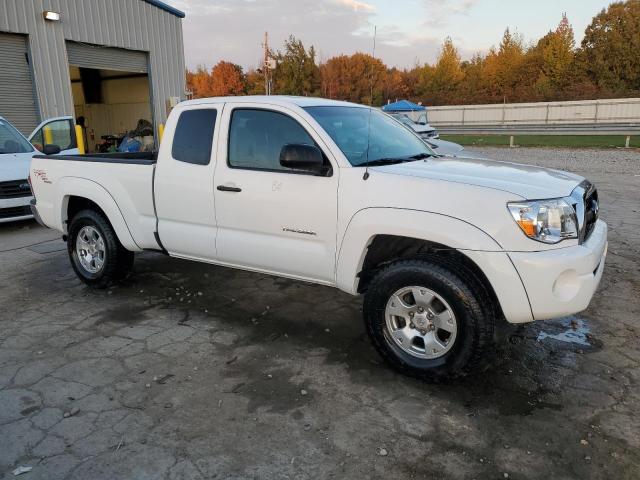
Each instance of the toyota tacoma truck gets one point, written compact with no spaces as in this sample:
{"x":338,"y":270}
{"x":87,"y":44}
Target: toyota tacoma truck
{"x":444,"y":250}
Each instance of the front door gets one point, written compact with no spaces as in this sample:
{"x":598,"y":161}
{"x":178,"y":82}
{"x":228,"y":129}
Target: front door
{"x":58,"y":131}
{"x":271,"y":218}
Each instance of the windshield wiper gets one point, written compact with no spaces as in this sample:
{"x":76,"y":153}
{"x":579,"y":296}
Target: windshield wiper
{"x":394,"y":160}
{"x":421,"y":156}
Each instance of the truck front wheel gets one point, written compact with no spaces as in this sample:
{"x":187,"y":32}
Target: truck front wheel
{"x":97,"y":256}
{"x":426,"y":321}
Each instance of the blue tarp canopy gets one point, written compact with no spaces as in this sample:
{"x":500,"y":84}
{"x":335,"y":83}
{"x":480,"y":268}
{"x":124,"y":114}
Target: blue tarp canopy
{"x":403,"y":106}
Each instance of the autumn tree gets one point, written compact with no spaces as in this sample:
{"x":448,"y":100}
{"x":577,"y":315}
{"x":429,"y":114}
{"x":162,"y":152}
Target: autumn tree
{"x":502,"y":66}
{"x":550,"y":65}
{"x":447,"y":74}
{"x":606,"y":64}
{"x":296,"y":72}
{"x":420,"y":80}
{"x":358,"y":78}
{"x":254,"y":81}
{"x":199,"y":82}
{"x":471,"y":88}
{"x":611,"y":48}
{"x":395,"y":86}
{"x":227,"y":79}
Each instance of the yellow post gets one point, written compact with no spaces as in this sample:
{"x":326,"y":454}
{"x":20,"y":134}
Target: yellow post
{"x":80,"y":140}
{"x":48,"y":136}
{"x":160,"y":132}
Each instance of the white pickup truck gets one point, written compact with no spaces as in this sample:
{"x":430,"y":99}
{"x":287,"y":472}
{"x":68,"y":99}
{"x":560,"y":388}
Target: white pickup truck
{"x":444,"y":250}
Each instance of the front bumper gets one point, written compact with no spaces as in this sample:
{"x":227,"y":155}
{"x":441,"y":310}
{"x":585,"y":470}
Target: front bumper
{"x":13,"y":209}
{"x":562,"y":281}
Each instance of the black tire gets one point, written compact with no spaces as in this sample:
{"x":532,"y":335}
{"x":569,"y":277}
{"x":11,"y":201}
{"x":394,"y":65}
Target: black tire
{"x":474,"y":313}
{"x":118,"y":261}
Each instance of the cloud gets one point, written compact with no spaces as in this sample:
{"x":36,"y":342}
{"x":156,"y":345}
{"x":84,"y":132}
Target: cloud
{"x":441,"y":12}
{"x":358,"y":6}
{"x":233,"y":30}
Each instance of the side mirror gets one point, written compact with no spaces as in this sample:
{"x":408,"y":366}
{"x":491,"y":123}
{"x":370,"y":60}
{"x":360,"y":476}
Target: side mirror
{"x":51,"y":149}
{"x":307,"y":158}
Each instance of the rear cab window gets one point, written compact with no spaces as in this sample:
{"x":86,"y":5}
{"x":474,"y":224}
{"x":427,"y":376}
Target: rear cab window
{"x":193,"y":137}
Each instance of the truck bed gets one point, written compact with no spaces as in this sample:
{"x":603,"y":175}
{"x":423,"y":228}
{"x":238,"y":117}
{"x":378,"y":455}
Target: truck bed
{"x":141,"y":158}
{"x":121,"y":183}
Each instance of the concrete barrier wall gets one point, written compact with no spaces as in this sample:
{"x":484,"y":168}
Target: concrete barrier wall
{"x":618,"y":111}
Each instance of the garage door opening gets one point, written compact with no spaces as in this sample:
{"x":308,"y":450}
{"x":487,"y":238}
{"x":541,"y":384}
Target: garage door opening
{"x":111,"y":97}
{"x":114,"y":107}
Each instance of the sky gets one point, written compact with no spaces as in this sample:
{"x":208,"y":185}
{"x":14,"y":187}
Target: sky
{"x":408,"y":31}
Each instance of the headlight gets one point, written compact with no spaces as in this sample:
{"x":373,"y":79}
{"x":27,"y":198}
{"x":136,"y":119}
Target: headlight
{"x":548,"y":221}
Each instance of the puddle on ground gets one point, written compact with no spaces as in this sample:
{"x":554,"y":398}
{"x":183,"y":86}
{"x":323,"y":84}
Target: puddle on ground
{"x":576,"y":331}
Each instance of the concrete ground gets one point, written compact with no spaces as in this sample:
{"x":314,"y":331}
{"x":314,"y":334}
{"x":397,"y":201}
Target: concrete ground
{"x":191,"y":371}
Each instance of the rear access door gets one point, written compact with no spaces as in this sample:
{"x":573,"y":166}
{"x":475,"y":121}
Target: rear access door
{"x":183,"y":183}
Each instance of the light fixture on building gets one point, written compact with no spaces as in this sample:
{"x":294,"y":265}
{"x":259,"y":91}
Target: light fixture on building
{"x":51,"y":16}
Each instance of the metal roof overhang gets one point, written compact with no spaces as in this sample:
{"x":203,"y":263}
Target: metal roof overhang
{"x":165,"y":7}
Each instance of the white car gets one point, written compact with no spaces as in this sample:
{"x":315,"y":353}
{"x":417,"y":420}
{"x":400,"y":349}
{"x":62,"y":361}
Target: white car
{"x":421,"y":127}
{"x":444,"y":250}
{"x":449,"y":149}
{"x":15,"y":156}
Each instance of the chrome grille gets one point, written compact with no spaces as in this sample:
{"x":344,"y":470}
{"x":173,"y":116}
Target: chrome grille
{"x":585,"y":203}
{"x":15,"y":189}
{"x":591,"y":208}
{"x":15,"y":212}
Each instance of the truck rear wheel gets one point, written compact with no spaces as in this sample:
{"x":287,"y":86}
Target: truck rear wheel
{"x":426,"y":321}
{"x":96,"y":254}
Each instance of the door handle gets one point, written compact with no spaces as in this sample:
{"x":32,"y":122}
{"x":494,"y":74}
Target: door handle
{"x":225,"y":188}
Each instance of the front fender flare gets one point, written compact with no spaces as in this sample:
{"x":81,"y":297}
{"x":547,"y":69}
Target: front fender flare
{"x":457,"y":234}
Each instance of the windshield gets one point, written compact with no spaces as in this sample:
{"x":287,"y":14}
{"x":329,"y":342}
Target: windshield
{"x":11,"y":141}
{"x":366,"y":135}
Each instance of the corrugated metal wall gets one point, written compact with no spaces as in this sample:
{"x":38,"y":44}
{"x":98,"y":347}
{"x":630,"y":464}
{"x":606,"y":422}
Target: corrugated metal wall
{"x":611,"y":111}
{"x":130,"y":24}
{"x":17,"y":102}
{"x":106,"y":58}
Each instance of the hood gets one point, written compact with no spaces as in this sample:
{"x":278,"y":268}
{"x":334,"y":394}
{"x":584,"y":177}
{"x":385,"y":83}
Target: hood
{"x":419,"y":128}
{"x":15,"y":166}
{"x":526,"y":181}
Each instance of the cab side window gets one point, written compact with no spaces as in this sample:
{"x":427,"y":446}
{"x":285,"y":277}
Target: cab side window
{"x":256,"y":138}
{"x":193,"y":137}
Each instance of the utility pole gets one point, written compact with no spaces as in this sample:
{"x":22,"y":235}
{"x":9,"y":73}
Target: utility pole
{"x":265,"y":65}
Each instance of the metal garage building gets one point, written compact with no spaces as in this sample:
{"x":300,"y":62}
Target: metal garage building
{"x":111,"y":61}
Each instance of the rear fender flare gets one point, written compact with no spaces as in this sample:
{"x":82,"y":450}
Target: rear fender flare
{"x":82,"y":187}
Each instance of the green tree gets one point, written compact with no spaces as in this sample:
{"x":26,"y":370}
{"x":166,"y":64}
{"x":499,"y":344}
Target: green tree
{"x":611,"y":48}
{"x":296,"y":72}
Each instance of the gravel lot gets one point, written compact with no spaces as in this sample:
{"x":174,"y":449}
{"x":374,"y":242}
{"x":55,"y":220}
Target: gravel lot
{"x":191,"y":371}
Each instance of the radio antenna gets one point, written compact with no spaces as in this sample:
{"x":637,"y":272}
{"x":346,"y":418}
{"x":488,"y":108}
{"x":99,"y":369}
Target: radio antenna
{"x":373,"y":55}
